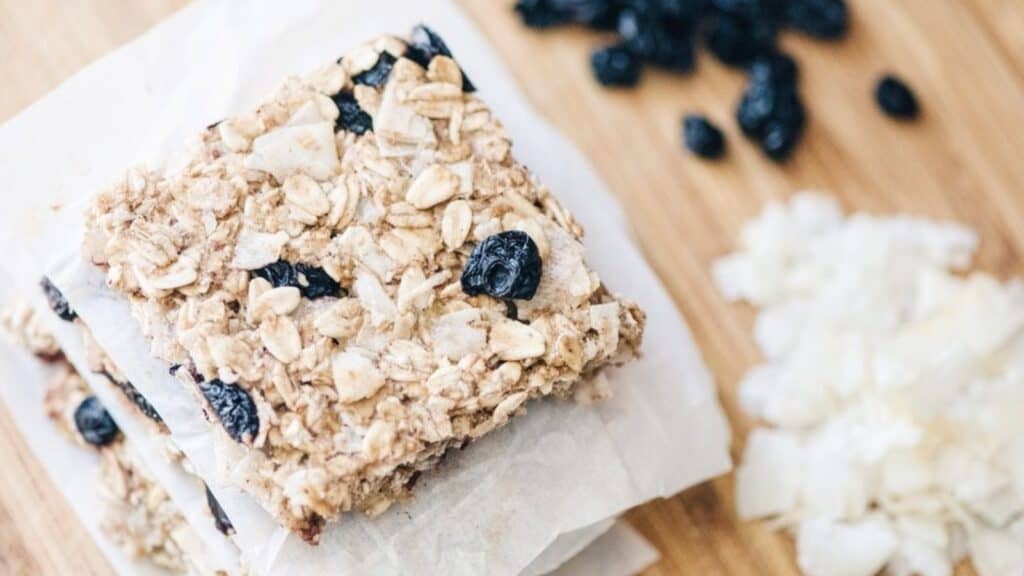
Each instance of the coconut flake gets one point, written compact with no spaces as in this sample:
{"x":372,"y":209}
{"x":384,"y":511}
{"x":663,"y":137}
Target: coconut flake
{"x":896,"y":387}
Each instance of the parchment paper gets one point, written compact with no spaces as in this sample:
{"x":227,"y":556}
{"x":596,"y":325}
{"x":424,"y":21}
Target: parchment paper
{"x":494,"y":507}
{"x":621,"y":550}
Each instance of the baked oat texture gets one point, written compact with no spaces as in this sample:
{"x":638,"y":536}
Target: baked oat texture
{"x":138,"y":515}
{"x":359,"y":392}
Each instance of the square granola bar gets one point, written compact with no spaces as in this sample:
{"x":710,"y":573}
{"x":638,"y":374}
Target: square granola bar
{"x":357,"y":276}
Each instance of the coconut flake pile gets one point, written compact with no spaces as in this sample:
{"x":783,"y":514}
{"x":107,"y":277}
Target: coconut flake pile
{"x":894,"y":388}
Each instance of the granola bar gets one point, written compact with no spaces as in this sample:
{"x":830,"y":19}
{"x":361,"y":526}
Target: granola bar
{"x":139,"y":516}
{"x":355,"y":277}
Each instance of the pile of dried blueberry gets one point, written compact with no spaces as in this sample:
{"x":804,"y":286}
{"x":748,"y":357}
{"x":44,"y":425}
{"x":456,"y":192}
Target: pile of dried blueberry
{"x":740,"y":33}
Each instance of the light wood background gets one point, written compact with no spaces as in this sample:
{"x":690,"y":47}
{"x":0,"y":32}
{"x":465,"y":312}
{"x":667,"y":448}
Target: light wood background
{"x":964,"y":160}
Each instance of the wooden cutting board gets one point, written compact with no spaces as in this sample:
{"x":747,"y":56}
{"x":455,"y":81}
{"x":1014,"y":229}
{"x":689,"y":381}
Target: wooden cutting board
{"x":964,"y":160}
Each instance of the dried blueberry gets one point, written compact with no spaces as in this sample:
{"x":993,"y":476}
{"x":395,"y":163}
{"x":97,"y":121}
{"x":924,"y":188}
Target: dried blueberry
{"x":312,"y":281}
{"x":94,"y":422}
{"x":350,"y":116}
{"x":599,"y":14}
{"x":506,"y":265}
{"x":234,"y":408}
{"x":539,"y":13}
{"x":702,"y":137}
{"x":773,"y":115}
{"x":774,"y":68}
{"x":660,"y":42}
{"x":377,"y":75}
{"x":315,"y":282}
{"x":280,"y":273}
{"x":136,"y":398}
{"x":220,"y":518}
{"x":896,"y":98}
{"x":57,"y":302}
{"x":615,"y":66}
{"x":752,"y":9}
{"x":424,"y":44}
{"x":825,"y":19}
{"x":736,"y":40}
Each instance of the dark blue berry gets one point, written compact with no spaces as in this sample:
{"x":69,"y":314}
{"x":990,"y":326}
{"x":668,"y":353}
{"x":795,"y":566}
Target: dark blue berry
{"x":615,"y":66}
{"x":826,"y":19}
{"x":598,"y":14}
{"x":424,"y":44}
{"x":56,"y":300}
{"x":94,"y":422}
{"x":506,"y":265}
{"x":220,"y":518}
{"x":736,"y":40}
{"x":656,"y":41}
{"x":896,"y":98}
{"x":774,"y":68}
{"x":752,"y":9}
{"x":234,"y":408}
{"x":377,"y":75}
{"x":773,"y":115}
{"x":539,"y":13}
{"x":136,"y":398}
{"x":314,"y":282}
{"x":702,"y":137}
{"x":279,"y":274}
{"x":350,"y":116}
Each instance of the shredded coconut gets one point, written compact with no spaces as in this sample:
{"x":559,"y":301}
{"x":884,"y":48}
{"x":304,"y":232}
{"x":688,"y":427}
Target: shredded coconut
{"x":894,"y":389}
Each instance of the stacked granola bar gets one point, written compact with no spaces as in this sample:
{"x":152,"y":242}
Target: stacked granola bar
{"x":138,"y":514}
{"x":357,"y":276}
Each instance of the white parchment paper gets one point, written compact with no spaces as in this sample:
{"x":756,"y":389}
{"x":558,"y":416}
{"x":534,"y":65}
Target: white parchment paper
{"x":620,"y":550}
{"x":494,"y":507}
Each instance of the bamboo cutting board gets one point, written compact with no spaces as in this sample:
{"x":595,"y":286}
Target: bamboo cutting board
{"x":962,"y":161}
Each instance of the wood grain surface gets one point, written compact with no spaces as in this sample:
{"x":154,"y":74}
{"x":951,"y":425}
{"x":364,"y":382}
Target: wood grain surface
{"x":962,"y":161}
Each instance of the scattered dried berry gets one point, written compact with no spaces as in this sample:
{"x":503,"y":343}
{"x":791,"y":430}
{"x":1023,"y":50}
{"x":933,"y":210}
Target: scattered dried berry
{"x":280,"y":273}
{"x":94,"y":422}
{"x":598,"y":14}
{"x":773,"y":116}
{"x":424,"y":44}
{"x":896,"y":98}
{"x":615,"y":66}
{"x":662,"y":42}
{"x":136,"y":398}
{"x":220,"y":518}
{"x":737,"y":32}
{"x":702,"y":137}
{"x":350,"y":116}
{"x":234,"y":408}
{"x":506,"y":265}
{"x":377,"y":75}
{"x":57,"y":302}
{"x":736,"y":40}
{"x":825,"y":19}
{"x":774,"y":68}
{"x":312,"y":281}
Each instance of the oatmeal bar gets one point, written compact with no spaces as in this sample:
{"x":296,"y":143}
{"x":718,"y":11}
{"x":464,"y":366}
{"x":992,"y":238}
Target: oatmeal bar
{"x":355,"y":277}
{"x":138,"y":515}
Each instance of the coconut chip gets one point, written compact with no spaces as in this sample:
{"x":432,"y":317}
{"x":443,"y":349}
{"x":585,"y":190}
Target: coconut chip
{"x":894,"y":388}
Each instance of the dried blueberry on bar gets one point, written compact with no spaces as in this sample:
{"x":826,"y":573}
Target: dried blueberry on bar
{"x":359,"y":276}
{"x":58,"y":303}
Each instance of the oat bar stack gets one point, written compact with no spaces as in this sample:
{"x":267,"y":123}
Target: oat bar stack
{"x":355,"y":277}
